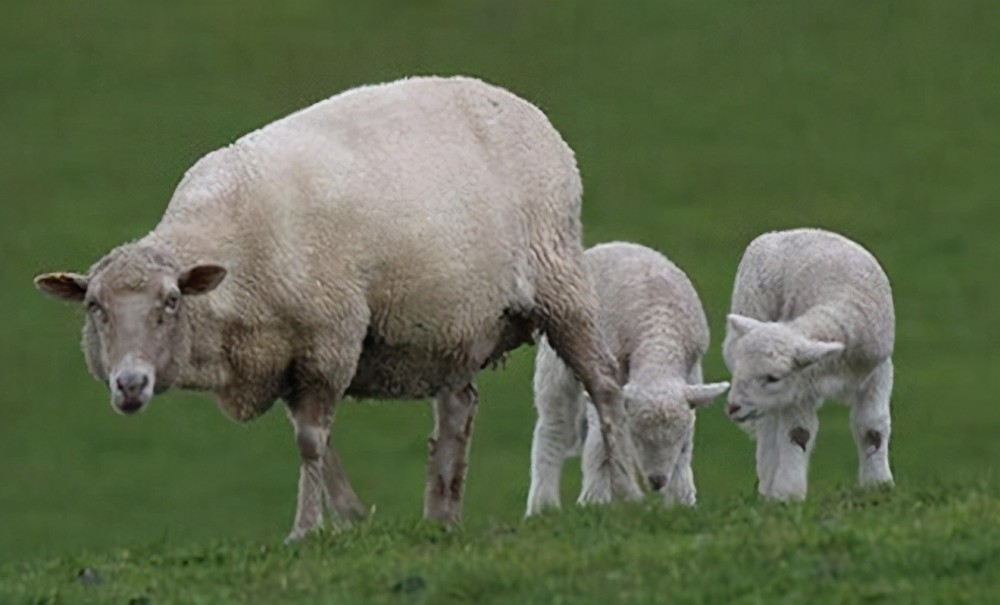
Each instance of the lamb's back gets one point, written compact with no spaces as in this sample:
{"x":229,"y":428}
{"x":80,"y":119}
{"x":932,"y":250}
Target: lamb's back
{"x":646,"y":301}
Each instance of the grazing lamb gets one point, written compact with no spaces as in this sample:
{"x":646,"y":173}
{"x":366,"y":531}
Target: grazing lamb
{"x":654,"y":324}
{"x":387,"y":242}
{"x":812,"y":318}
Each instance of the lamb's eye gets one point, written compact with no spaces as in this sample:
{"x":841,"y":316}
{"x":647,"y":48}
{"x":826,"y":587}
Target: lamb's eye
{"x":771,"y":379}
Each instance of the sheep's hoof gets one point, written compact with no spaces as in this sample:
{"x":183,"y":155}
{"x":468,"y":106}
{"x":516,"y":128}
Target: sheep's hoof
{"x":296,"y":536}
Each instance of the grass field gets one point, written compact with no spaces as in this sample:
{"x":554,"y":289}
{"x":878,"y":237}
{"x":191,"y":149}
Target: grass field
{"x":697,"y":126}
{"x":924,"y":546}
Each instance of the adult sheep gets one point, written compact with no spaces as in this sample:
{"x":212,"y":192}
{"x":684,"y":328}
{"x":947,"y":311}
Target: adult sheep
{"x":387,"y":242}
{"x":654,"y":323}
{"x":812,"y":317}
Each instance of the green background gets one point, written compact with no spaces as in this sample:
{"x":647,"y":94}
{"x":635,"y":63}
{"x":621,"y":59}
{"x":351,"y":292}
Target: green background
{"x":697,"y":126}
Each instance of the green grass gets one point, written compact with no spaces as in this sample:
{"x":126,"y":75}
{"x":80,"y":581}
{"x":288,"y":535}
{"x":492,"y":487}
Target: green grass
{"x":938,"y":545}
{"x":697,"y":126}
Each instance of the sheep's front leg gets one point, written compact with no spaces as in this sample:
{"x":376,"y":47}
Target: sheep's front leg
{"x":560,"y":406}
{"x":342,"y":498}
{"x":871,"y":426}
{"x":322,"y":480}
{"x":454,"y":413}
{"x":570,"y":309}
{"x":792,"y":441}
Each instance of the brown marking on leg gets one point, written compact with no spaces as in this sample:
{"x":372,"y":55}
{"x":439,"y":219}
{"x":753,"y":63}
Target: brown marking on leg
{"x":448,"y":447}
{"x":458,"y":483}
{"x":799,"y":437}
{"x":873,"y":439}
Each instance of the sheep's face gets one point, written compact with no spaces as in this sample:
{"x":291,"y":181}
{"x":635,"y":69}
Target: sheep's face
{"x":135,"y":331}
{"x":771,"y":365}
{"x":661,"y":425}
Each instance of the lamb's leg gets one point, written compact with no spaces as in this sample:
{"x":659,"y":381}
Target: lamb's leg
{"x":322,"y":481}
{"x":765,"y":431}
{"x":454,"y":412}
{"x":871,"y":426}
{"x":569,"y":308}
{"x":793,"y":441}
{"x":681,"y":488}
{"x":558,"y":400}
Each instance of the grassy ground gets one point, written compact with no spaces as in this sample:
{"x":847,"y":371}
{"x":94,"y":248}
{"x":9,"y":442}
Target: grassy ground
{"x":926,"y":546}
{"x":697,"y":126}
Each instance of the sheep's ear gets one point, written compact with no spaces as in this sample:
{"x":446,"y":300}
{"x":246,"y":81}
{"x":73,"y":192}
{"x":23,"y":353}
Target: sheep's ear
{"x":201,"y":279}
{"x":67,"y":286}
{"x":816,"y":350}
{"x":741,"y":324}
{"x":698,"y":395}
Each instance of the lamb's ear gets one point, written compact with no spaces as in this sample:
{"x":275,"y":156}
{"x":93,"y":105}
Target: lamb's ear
{"x":201,"y":279}
{"x":741,"y":324}
{"x":816,"y":350}
{"x":698,"y":395}
{"x":67,"y":286}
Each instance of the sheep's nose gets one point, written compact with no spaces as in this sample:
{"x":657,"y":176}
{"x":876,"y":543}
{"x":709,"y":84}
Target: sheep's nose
{"x":131,"y":384}
{"x":657,"y":481}
{"x":732,"y":409}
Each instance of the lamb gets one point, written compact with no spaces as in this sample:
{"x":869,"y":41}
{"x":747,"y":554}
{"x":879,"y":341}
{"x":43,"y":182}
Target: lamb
{"x":812,"y":317}
{"x":387,"y":242}
{"x":652,"y":320}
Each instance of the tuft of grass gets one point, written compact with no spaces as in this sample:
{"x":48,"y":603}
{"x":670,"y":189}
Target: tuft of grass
{"x":930,"y":545}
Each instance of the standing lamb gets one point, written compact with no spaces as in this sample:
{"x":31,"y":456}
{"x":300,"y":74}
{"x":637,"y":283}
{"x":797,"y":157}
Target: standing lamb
{"x":812,"y":318}
{"x":387,"y":242}
{"x":653,"y":321}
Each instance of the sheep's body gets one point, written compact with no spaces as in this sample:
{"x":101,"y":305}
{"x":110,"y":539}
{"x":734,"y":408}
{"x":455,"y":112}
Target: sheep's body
{"x":812,"y":318}
{"x":361,"y":210}
{"x":653,"y":322}
{"x":389,"y":241}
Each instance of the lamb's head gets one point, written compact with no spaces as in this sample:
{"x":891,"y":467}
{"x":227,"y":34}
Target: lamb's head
{"x":771,"y":364}
{"x":661,"y":424}
{"x":136,"y":331}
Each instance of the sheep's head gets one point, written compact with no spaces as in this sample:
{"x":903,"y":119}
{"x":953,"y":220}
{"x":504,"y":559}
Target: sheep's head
{"x":661,"y":425}
{"x":135,"y":330}
{"x":771,"y":366}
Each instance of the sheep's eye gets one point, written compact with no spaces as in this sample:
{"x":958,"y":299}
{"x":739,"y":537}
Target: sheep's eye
{"x":171,"y":302}
{"x":97,"y":312}
{"x":771,"y":379}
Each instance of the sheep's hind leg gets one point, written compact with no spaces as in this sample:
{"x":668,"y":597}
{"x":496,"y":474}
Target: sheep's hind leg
{"x":559,"y":402}
{"x":454,"y":413}
{"x":871,"y":426}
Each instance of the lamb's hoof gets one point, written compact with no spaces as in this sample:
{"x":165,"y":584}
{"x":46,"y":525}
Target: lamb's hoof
{"x":879,"y":483}
{"x":624,"y":486}
{"x":594,"y":497}
{"x":784,"y":496}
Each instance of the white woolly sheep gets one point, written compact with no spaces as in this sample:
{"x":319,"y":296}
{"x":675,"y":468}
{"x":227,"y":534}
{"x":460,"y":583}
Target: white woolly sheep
{"x":653,"y":321}
{"x":811,"y":318}
{"x":387,"y":242}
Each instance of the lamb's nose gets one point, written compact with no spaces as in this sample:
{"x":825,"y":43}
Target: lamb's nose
{"x":131,"y":384}
{"x":732,"y":409}
{"x":657,"y":481}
